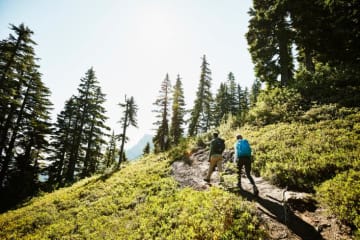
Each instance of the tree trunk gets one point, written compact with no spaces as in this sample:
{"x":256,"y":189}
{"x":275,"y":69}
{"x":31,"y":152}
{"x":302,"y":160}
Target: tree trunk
{"x":123,"y":135}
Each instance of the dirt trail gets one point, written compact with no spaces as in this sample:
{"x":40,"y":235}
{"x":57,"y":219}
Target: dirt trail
{"x":286,"y":214}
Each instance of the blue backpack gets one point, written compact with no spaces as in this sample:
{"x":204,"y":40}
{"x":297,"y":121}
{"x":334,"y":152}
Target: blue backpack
{"x":243,"y":148}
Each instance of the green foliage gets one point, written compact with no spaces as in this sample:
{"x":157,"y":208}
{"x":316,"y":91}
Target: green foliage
{"x":24,"y":117}
{"x":326,"y":112}
{"x":161,"y":139}
{"x":146,"y":149}
{"x":342,"y":194}
{"x":178,"y":112}
{"x":276,"y":105}
{"x":201,"y":118}
{"x":329,"y":85}
{"x":303,"y":155}
{"x":270,"y":41}
{"x":180,"y":152}
{"x":325,"y":35}
{"x":129,"y":118}
{"x":141,"y":201}
{"x":321,"y":152}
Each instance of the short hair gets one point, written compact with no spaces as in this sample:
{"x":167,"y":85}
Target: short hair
{"x":239,"y":137}
{"x":215,"y":134}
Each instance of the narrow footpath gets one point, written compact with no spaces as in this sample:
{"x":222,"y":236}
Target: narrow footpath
{"x":286,"y":214}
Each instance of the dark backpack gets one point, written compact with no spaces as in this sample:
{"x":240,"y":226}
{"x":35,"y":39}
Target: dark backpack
{"x":218,"y":146}
{"x":243,"y":148}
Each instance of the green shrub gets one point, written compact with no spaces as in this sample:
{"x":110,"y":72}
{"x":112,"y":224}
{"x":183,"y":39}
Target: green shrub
{"x":276,"y":105}
{"x":326,"y":112}
{"x":301,"y":155}
{"x":180,"y":152}
{"x":141,"y":201}
{"x":342,"y":194}
{"x":329,"y":85}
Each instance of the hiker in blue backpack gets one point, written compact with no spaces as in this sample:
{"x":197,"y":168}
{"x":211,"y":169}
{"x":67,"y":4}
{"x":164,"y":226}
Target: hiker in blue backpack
{"x":243,"y":157}
{"x":217,"y":147}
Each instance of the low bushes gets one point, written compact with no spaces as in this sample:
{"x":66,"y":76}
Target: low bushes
{"x":342,"y":194}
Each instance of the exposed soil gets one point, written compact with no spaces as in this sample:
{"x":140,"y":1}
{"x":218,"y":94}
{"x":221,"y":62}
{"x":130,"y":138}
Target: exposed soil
{"x":285,"y":214}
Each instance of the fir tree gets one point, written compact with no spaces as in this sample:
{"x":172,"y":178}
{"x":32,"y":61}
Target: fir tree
{"x":222,"y":105}
{"x":61,"y":142}
{"x":80,"y":132}
{"x":162,"y":138}
{"x":146,"y":149}
{"x":269,"y":23}
{"x":94,"y":133}
{"x":254,"y":92}
{"x":24,"y":117}
{"x":178,"y":112}
{"x":110,"y":152}
{"x":201,"y":117}
{"x":232,"y":94}
{"x":128,"y":119}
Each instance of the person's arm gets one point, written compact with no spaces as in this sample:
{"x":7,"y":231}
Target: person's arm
{"x":210,"y":152}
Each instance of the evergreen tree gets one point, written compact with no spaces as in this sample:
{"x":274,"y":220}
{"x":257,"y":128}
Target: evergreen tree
{"x":24,"y":117}
{"x":254,"y":93}
{"x":161,"y":139}
{"x":61,"y":142}
{"x":243,"y":99}
{"x":270,"y":40}
{"x":79,"y":135}
{"x":326,"y":31}
{"x":128,"y":119}
{"x":178,"y":112}
{"x":222,"y":106}
{"x":232,"y":94}
{"x":146,"y":149}
{"x":110,"y":152}
{"x":201,"y":117}
{"x":94,"y":133}
{"x":243,"y":104}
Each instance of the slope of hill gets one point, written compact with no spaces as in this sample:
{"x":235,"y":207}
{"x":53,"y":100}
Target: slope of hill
{"x":141,"y":201}
{"x":144,"y":201}
{"x":137,"y":150}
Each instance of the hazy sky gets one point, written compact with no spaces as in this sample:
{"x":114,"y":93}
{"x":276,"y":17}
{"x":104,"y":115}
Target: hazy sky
{"x":132,"y":44}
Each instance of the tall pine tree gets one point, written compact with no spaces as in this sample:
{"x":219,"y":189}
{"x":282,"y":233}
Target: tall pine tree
{"x":128,"y":119}
{"x":178,"y":112}
{"x":270,"y":40}
{"x":161,"y":139}
{"x":79,"y":134}
{"x":24,"y":117}
{"x":222,"y":105}
{"x":254,"y":92}
{"x":201,"y":118}
{"x":110,"y":153}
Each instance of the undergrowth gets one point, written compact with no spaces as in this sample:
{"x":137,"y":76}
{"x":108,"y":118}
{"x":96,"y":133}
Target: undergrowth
{"x":342,"y":194}
{"x":141,"y":201}
{"x":320,"y":153}
{"x":302,"y":155}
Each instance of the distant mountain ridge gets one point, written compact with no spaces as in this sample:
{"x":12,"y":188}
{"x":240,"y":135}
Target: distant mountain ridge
{"x":137,"y":150}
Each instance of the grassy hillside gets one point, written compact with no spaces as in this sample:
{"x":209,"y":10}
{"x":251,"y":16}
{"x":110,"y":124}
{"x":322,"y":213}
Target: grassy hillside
{"x":140,"y":202}
{"x":319,"y":154}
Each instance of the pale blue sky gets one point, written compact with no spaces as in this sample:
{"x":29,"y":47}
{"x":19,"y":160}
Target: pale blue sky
{"x":132,"y":44}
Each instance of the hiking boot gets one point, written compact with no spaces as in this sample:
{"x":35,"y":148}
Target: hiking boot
{"x":256,"y":191}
